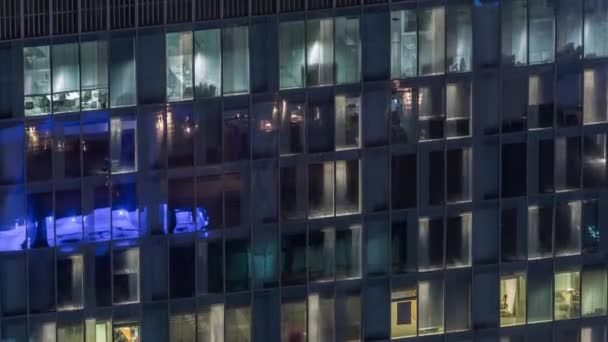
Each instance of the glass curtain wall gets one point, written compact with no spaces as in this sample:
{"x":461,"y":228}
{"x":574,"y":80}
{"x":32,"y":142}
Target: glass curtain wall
{"x":37,"y":80}
{"x":94,"y":74}
{"x":292,"y":47}
{"x":207,"y":63}
{"x":235,"y":60}
{"x":320,"y":52}
{"x":348,"y":50}
{"x":179,"y":66}
{"x":514,"y":32}
{"x":66,"y":78}
{"x":404,"y":44}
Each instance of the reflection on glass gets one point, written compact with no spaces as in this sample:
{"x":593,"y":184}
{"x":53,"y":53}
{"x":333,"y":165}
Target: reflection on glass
{"x":404,"y":44}
{"x":123,"y":90}
{"x":126,"y":276}
{"x":459,"y":38}
{"x":235,"y":60}
{"x":321,"y":190}
{"x":431,"y":33}
{"x":98,"y":330}
{"x":595,"y":95}
{"x":210,"y":323}
{"x":66,"y":78}
{"x":238,"y":324}
{"x":347,"y":183}
{"x":182,"y":327}
{"x":348,"y":252}
{"x":320,"y":52}
{"x":542,"y":31}
{"x":568,"y":228}
{"x":567,"y":295}
{"x":321,"y":245}
{"x":123,"y":143}
{"x":68,"y":218}
{"x":321,"y":317}
{"x":403,"y":115}
{"x":37,"y":80}
{"x":70,"y":290}
{"x":12,"y":222}
{"x":540,"y":100}
{"x":236,"y":134}
{"x":348,"y":46}
{"x":512,"y":299}
{"x":430,"y":112}
{"x":540,"y":231}
{"x":569,"y":29}
{"x":94,"y":74}
{"x":458,"y":108}
{"x":291,"y":54}
{"x":458,"y":238}
{"x":594,"y":292}
{"x":179,"y":66}
{"x":514,"y":32}
{"x":430,"y":307}
{"x":430,"y":243}
{"x":125,"y":213}
{"x":596,"y":28}
{"x":348,"y":109}
{"x":293,"y":321}
{"x":207,"y":63}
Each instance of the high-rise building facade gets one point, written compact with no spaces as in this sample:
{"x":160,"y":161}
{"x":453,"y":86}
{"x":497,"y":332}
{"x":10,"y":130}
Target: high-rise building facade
{"x":303,"y":170}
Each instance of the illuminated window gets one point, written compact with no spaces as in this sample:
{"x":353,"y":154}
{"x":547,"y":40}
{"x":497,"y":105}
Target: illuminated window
{"x":431,"y":44}
{"x":512,"y":299}
{"x":238,"y":323}
{"x":593,"y":292}
{"x":321,"y":318}
{"x":293,"y":318}
{"x":126,"y":281}
{"x":179,"y":66}
{"x":595,"y":95}
{"x":459,"y":37}
{"x":66,"y":78}
{"x":291,"y":54}
{"x":404,"y":311}
{"x":596,"y":28}
{"x":404,"y":44}
{"x":37,"y":80}
{"x":514,"y":32}
{"x":123,"y":90}
{"x":567,"y":295}
{"x":430,"y":306}
{"x":540,"y":231}
{"x":210,"y":322}
{"x":207,"y":63}
{"x":320,"y":52}
{"x":348,"y":50}
{"x":127,"y":332}
{"x":348,"y":113}
{"x":542,"y":31}
{"x":70,"y":290}
{"x":94,"y":74}
{"x":235,"y":60}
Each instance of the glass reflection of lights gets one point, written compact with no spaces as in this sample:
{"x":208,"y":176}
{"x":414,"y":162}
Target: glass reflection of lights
{"x":185,"y":222}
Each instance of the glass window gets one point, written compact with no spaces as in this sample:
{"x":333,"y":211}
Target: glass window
{"x":70,"y":290}
{"x":38,"y":153}
{"x":293,"y":256}
{"x":348,"y":252}
{"x":210,"y":322}
{"x":123,"y":143}
{"x":542,"y":31}
{"x":404,"y":244}
{"x":12,"y":165}
{"x":404,"y":311}
{"x":404,"y":181}
{"x":236,"y":134}
{"x":320,"y":51}
{"x":567,"y":163}
{"x":348,"y":50}
{"x":66,"y":159}
{"x":126,"y":275}
{"x":593,"y":292}
{"x":458,"y":109}
{"x":515,"y":101}
{"x":264,"y":132}
{"x":94,"y":74}
{"x":235,"y":60}
{"x":568,"y":228}
{"x":540,"y":99}
{"x":293,"y":317}
{"x":431,"y":33}
{"x":264,"y":190}
{"x":181,"y":205}
{"x":460,"y":37}
{"x":540,"y":231}
{"x":458,"y":174}
{"x":569,"y":29}
{"x":512,"y":233}
{"x":431,"y":115}
{"x":291,"y":54}
{"x":152,"y":147}
{"x":293,"y":183}
{"x":265,"y":256}
{"x":320,"y":122}
{"x":238,"y":266}
{"x":321,"y":245}
{"x":321,"y":190}
{"x":430,"y":306}
{"x":569,"y":93}
{"x":207,"y":63}
{"x":238,"y":323}
{"x":404,"y":44}
{"x":377,"y":245}
{"x":95,"y":144}
{"x":514,"y":32}
{"x":590,"y":227}
{"x":236,"y":193}
{"x":347,"y":187}
{"x":430,"y":243}
{"x":540,"y":292}
{"x":209,"y":137}
{"x":458,"y":305}
{"x":41,"y":270}
{"x":40,"y":224}
{"x":209,"y":201}
{"x":125,"y":214}
{"x":435,"y":178}
{"x":458,"y":238}
{"x":181,"y":130}
{"x":593,"y":332}
{"x":128,"y":332}
{"x":210,"y":272}
{"x":123,"y":88}
{"x":12,"y":219}
{"x":321,"y":317}
{"x":512,"y":299}
{"x":292,"y":136}
{"x":513,"y":169}
{"x":37,"y":80}
{"x":567,"y":295}
{"x":181,"y":269}
{"x":66,"y":78}
{"x":595,"y":95}
{"x":182,"y":327}
{"x":348,"y":313}
{"x":596,"y":28}
{"x":403,"y":115}
{"x":179,"y":66}
{"x":594,"y":160}
{"x":348,"y":109}
{"x":13,"y":291}
{"x":68,"y":214}
{"x":96,"y":209}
